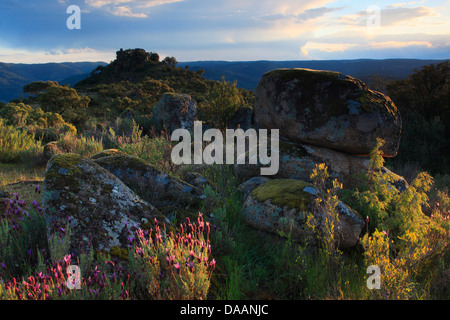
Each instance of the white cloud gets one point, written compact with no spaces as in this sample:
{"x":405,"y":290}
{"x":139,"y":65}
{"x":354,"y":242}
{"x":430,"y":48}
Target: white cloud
{"x":131,"y":3}
{"x":56,"y":55}
{"x":123,"y":11}
{"x":128,"y":8}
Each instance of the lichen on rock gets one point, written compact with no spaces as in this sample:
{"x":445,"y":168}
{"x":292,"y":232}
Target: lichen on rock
{"x":327,"y":109}
{"x":155,"y":186}
{"x":99,"y":208}
{"x":284,"y":205}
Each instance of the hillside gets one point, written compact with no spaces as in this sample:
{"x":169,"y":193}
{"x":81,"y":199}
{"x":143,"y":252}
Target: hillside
{"x":248,"y":73}
{"x":14,"y":76}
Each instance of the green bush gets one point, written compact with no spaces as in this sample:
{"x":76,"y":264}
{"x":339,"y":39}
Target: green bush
{"x":223,"y":99}
{"x":13,"y":142}
{"x":84,"y":146}
{"x":405,"y":243}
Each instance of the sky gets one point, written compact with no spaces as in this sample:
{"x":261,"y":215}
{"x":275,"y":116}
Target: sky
{"x":36,"y":31}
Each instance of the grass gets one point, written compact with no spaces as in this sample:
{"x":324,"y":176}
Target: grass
{"x":250,"y":264}
{"x":20,"y":179}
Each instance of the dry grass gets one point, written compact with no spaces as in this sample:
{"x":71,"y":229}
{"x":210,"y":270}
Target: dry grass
{"x":22,"y":180}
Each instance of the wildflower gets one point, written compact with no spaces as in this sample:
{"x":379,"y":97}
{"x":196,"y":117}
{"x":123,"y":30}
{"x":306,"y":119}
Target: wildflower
{"x":212,"y":264}
{"x":367,"y":224}
{"x":67,"y":259}
{"x":177,"y":267}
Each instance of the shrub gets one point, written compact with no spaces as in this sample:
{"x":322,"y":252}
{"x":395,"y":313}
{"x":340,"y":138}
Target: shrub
{"x":223,"y":99}
{"x":158,"y":266}
{"x":177,"y":267}
{"x":409,"y":240}
{"x":34,"y":156}
{"x":13,"y":142}
{"x":84,"y":146}
{"x":22,"y":236}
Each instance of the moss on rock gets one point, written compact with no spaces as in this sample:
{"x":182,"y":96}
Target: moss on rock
{"x":327,"y":109}
{"x":106,"y":153}
{"x":284,"y":193}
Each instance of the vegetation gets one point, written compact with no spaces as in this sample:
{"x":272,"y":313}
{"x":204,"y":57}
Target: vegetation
{"x":423,"y":100}
{"x":217,"y":255}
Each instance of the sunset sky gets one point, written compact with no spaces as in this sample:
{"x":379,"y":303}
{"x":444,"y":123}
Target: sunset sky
{"x":232,"y":30}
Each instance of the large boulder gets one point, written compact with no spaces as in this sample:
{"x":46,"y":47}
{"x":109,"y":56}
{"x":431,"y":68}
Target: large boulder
{"x":297,"y":161}
{"x":175,"y":111}
{"x":284,"y":204}
{"x":99,"y":208}
{"x":151,"y":184}
{"x":327,"y":109}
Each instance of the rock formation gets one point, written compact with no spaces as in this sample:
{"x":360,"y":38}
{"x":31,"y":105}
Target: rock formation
{"x":100,"y":209}
{"x":327,"y":109}
{"x":175,"y":111}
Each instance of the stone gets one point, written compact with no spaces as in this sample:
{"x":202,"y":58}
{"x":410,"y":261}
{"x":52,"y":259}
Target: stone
{"x":395,"y":180}
{"x":175,"y":111}
{"x":151,"y":184}
{"x":247,"y":187}
{"x":242,"y":118}
{"x":195,"y":179}
{"x":327,"y":109}
{"x":297,"y":161}
{"x":100,"y":210}
{"x":106,"y":153}
{"x":284,"y":205}
{"x":50,"y":149}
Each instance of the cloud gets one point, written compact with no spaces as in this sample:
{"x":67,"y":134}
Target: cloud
{"x":365,"y":48}
{"x":308,"y":14}
{"x":55,"y":55}
{"x":324,"y":47}
{"x":130,"y":3}
{"x":128,"y":8}
{"x":123,"y":11}
{"x":396,"y":14}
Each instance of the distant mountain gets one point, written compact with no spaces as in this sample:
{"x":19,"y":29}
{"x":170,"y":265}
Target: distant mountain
{"x":14,"y":76}
{"x":248,"y":73}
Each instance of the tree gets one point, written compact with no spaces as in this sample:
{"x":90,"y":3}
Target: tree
{"x":424,"y":103}
{"x":38,"y":86}
{"x":154,"y":57}
{"x":170,"y":61}
{"x":223,"y":99}
{"x":65,"y":101}
{"x":426,"y":91}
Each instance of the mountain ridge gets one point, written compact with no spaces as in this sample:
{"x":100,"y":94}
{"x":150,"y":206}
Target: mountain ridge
{"x":248,"y":73}
{"x":13,"y":76}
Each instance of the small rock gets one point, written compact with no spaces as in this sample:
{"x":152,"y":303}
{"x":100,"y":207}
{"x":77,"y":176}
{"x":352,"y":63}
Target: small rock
{"x":284,"y":205}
